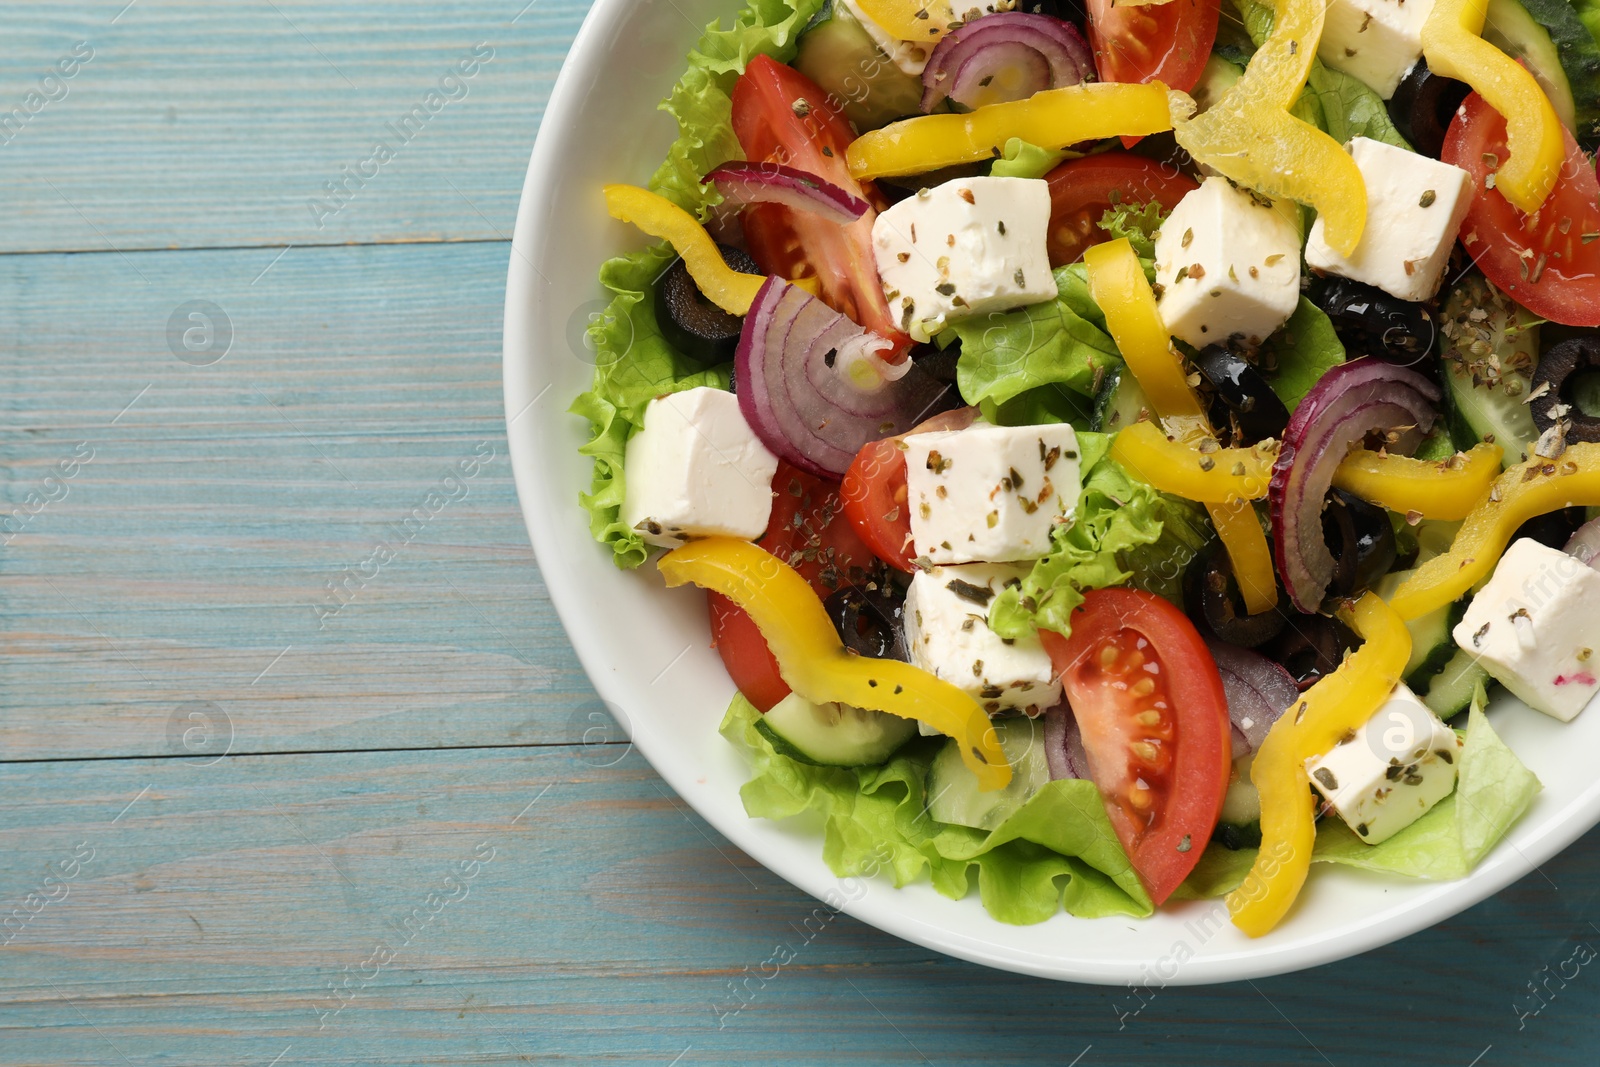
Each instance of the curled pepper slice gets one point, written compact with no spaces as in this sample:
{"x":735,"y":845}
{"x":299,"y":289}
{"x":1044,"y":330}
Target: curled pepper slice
{"x":815,"y":663}
{"x":1183,"y":469}
{"x":1435,"y":489}
{"x":1249,"y":136}
{"x":1342,"y":701}
{"x":1525,"y":491}
{"x":731,"y":290}
{"x":1118,"y":285}
{"x":1054,"y":118}
{"x":1535,"y":147}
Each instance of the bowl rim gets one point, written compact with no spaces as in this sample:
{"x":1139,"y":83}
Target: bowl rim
{"x":1423,"y":903}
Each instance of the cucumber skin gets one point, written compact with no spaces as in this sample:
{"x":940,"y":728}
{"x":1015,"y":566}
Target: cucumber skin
{"x":1237,"y":836}
{"x":784,"y":747}
{"x":1450,"y":690}
{"x":1579,"y":53}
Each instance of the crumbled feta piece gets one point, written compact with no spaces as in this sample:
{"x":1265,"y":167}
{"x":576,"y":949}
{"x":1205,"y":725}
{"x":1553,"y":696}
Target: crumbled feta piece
{"x":695,"y":469}
{"x":947,"y":632}
{"x":1534,"y":626}
{"x":912,"y":56}
{"x":990,"y":493}
{"x":1414,"y":208}
{"x":1386,"y":775}
{"x":1374,"y":41}
{"x":1227,"y":264}
{"x":966,"y":247}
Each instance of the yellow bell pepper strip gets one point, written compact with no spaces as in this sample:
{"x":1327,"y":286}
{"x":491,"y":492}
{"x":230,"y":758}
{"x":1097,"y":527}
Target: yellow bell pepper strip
{"x":815,"y":663}
{"x":1118,"y":285}
{"x":731,"y":290}
{"x":910,"y":20}
{"x":1248,"y":134}
{"x":1341,"y":702}
{"x":1054,"y":118}
{"x":1182,"y":469}
{"x":1525,"y":491}
{"x":1434,"y":489}
{"x":1535,"y":146}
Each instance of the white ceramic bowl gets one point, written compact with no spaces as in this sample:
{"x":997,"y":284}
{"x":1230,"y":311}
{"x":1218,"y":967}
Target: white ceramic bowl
{"x":647,"y":649}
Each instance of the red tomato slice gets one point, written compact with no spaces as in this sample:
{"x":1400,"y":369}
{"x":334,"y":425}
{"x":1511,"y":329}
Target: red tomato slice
{"x":781,"y":115}
{"x":874,"y":490}
{"x":1548,"y":262}
{"x":809,"y":531}
{"x":1083,"y":190}
{"x":1167,"y":42}
{"x":1154,"y":718}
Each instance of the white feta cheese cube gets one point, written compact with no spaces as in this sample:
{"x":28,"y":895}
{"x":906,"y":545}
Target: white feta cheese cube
{"x":1535,"y":627}
{"x":1374,"y":41}
{"x":966,"y":247}
{"x":947,"y":632}
{"x":990,"y":493}
{"x":1386,"y":775}
{"x":1414,"y":208}
{"x":1228,"y":264}
{"x":912,"y":56}
{"x":695,"y":469}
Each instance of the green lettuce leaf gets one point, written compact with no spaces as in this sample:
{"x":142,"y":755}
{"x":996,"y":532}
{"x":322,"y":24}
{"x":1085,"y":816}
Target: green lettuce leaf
{"x":1301,"y":352}
{"x":1589,"y":13}
{"x":1019,"y":159}
{"x":1057,"y":851}
{"x":1122,"y":529}
{"x":633,"y":363}
{"x":1138,"y":223}
{"x":1493,"y":790}
{"x":1059,"y":343}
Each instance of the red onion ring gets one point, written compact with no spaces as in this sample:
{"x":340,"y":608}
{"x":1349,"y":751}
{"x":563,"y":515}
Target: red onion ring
{"x":1063,"y":745}
{"x":1039,"y":51}
{"x":773,"y":183}
{"x":812,"y":385}
{"x":1258,"y":690}
{"x":1350,"y":401}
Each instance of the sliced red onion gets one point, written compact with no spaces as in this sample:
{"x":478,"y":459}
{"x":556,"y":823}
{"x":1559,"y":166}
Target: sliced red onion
{"x":774,"y":183}
{"x":1585,"y":544}
{"x":1350,"y":401}
{"x":1063,"y":744}
{"x":1027,"y":52}
{"x":812,"y":385}
{"x":1259,"y":691}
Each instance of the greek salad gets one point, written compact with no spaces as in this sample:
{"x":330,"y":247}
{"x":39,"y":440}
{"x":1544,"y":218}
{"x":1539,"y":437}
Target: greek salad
{"x":1122,"y":444}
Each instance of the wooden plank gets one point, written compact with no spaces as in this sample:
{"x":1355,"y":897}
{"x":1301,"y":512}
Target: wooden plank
{"x":171,"y":531}
{"x":577,"y":913}
{"x":190,"y":124}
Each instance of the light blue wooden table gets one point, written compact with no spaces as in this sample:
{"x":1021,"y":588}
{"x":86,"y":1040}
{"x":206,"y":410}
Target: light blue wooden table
{"x":217,"y":801}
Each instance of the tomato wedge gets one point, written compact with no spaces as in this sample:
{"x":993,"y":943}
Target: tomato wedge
{"x":1149,"y":42}
{"x":809,"y":531}
{"x":1154,"y":719}
{"x":781,"y":115}
{"x":1083,"y":190}
{"x":1548,"y":262}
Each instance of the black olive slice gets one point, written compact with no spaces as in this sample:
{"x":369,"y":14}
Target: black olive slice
{"x":1374,"y":323}
{"x":689,"y":322}
{"x":1551,"y":377}
{"x":1553,"y":529}
{"x":1212,"y":598}
{"x":870,"y":621}
{"x":1423,"y":105}
{"x":1244,"y":392}
{"x":1361,"y":539}
{"x":1311,"y":647}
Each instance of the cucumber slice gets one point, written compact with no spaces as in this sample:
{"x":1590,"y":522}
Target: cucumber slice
{"x":1120,"y":402}
{"x":833,"y":735}
{"x":1490,"y":346}
{"x":1239,"y":821}
{"x":1216,"y":78}
{"x":1559,"y":51}
{"x":1450,"y":691}
{"x":859,"y":79}
{"x":1432,"y":647}
{"x":952,"y":789}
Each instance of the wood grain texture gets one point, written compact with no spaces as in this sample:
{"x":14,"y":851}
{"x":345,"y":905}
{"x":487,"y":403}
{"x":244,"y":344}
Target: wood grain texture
{"x":174,"y":528}
{"x":579,"y":914}
{"x":204,"y":124}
